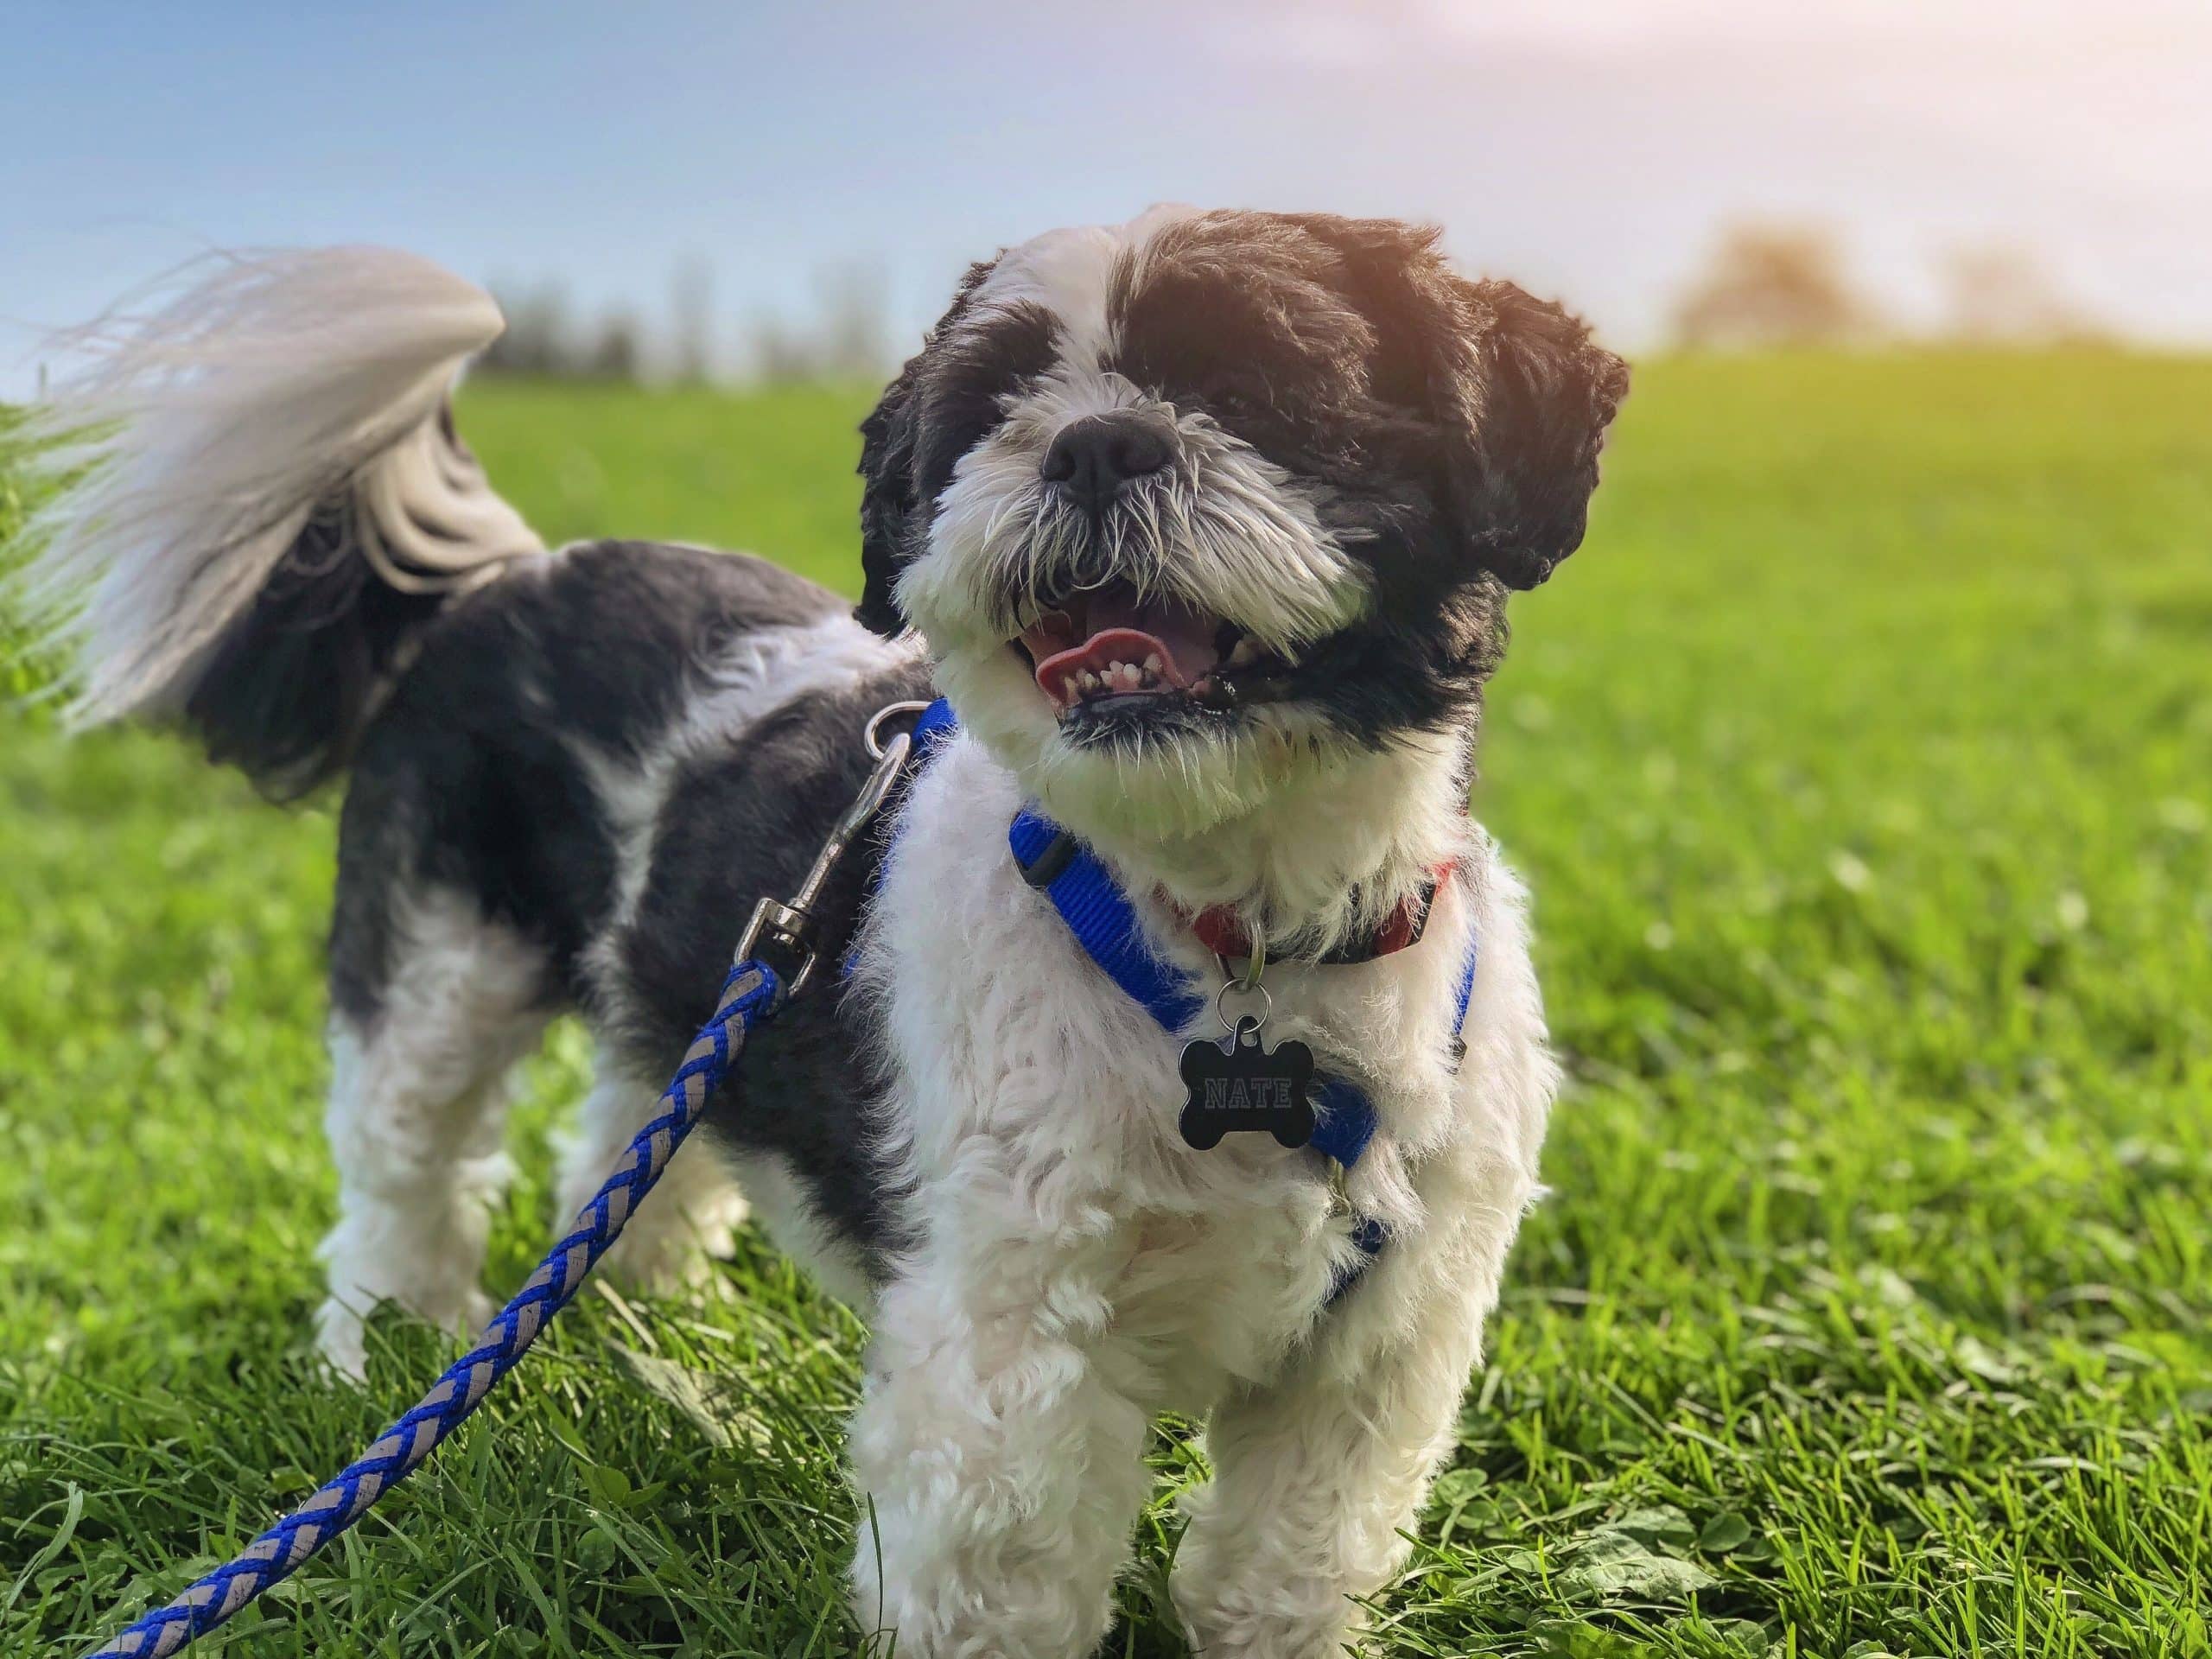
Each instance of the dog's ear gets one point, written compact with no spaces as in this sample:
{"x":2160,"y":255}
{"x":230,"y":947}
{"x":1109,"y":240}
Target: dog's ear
{"x":888,"y":439}
{"x":887,"y":498}
{"x":1535,"y":410}
{"x":1518,"y":394}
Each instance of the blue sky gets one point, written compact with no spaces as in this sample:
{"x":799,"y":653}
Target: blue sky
{"x":1589,"y":150}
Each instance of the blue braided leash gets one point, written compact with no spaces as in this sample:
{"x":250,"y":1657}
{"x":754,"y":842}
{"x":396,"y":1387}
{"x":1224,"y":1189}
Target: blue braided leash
{"x":752,"y":993}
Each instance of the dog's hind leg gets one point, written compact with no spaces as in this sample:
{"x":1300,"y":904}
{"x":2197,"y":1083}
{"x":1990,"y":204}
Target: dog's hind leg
{"x":417,"y":1110}
{"x":692,"y":1213}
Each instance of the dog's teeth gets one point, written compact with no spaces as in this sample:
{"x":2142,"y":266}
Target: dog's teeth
{"x":1089,"y":681}
{"x":1152,"y":664}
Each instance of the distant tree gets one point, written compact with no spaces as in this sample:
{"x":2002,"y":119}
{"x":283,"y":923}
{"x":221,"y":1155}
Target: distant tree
{"x":1775,"y":285}
{"x":538,"y":339}
{"x":614,"y":353}
{"x":1999,"y":293}
{"x":777,"y":352}
{"x":544,"y":339}
{"x":847,"y":339}
{"x":692,"y":312}
{"x":854,"y":332}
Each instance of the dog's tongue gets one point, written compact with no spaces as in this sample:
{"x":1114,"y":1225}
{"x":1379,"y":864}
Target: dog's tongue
{"x":1113,"y":626}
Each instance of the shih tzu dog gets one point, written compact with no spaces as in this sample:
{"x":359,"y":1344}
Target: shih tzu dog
{"x":1205,"y":526}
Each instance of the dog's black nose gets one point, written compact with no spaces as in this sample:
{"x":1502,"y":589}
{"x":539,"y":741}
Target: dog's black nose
{"x":1092,"y":458}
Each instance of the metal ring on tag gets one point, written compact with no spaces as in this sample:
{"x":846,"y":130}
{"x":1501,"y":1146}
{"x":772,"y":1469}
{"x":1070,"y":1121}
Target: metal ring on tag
{"x":870,"y":733}
{"x":1267,"y":1004}
{"x":1254,"y":965}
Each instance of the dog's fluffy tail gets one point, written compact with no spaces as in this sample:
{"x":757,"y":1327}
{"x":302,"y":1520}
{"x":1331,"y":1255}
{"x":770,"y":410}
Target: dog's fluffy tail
{"x":259,"y":497}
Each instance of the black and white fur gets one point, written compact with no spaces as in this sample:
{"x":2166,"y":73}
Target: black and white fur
{"x":572,"y":771}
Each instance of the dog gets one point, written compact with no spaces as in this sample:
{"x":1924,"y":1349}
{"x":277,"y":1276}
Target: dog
{"x":1205,"y":526}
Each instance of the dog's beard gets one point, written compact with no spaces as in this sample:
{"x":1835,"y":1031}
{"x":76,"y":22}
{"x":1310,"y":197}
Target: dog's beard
{"x":1219,"y":534}
{"x":1314,"y":838}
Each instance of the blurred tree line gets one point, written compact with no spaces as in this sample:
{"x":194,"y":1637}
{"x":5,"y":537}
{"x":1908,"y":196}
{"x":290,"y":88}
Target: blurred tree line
{"x":1762,"y":285}
{"x":846,"y":335}
{"x":1766,"y":285}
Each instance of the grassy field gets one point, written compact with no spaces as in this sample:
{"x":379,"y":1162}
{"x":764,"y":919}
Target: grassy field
{"x":1862,"y":764}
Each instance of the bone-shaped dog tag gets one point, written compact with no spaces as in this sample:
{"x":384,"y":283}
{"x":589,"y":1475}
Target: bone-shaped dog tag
{"x":1238,"y":1084}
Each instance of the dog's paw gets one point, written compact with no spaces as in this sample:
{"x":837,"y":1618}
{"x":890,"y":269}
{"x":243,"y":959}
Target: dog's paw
{"x":342,"y":1330}
{"x":670,"y":1247}
{"x":669,"y":1262}
{"x":1270,"y":1639}
{"x":1224,"y":1622}
{"x":476,"y":1311}
{"x":341,"y":1338}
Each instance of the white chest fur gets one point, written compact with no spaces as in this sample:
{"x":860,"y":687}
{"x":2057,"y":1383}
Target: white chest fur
{"x":1033,"y":1107}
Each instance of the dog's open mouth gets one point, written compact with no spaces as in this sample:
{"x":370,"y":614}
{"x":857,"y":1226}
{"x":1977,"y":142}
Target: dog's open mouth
{"x":1110,"y":648}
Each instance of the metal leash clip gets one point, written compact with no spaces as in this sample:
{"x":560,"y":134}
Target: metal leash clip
{"x":791,"y":926}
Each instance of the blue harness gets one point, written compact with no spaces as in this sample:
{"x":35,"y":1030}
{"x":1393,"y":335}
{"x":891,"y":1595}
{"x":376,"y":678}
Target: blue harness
{"x":1104,"y":923}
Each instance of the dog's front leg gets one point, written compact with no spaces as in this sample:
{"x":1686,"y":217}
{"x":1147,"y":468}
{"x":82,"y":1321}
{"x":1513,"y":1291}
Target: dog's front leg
{"x":1002,"y":1470}
{"x":1315,"y":1478}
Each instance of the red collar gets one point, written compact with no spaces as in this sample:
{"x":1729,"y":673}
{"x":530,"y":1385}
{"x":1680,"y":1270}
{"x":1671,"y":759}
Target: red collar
{"x":1219,"y":929}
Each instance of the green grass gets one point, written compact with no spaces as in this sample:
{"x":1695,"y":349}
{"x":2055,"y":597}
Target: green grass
{"x":1862,"y":764}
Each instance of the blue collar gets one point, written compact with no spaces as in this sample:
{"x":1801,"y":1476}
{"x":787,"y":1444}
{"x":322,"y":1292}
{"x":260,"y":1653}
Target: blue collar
{"x":1104,"y":923}
{"x":936,"y":723}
